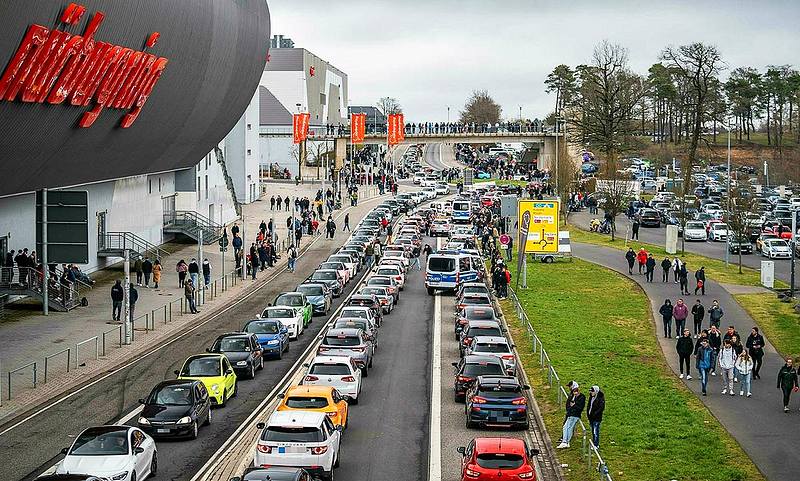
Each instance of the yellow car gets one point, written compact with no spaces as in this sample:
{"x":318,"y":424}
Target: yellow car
{"x":324,"y":399}
{"x":215,"y":372}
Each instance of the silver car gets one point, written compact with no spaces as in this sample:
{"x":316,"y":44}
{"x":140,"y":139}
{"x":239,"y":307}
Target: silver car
{"x":349,"y":343}
{"x":339,"y":372}
{"x":384,"y":297}
{"x":494,"y":346}
{"x":367,"y":325}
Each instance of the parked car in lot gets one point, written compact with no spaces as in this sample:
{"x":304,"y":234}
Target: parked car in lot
{"x":120,"y":453}
{"x":776,"y":249}
{"x":175,"y":408}
{"x":243,"y":351}
{"x":718,"y":232}
{"x":498,"y":459}
{"x":695,"y":231}
{"x":213,"y":370}
{"x":649,"y":218}
{"x":739,"y":244}
{"x":497,"y":401}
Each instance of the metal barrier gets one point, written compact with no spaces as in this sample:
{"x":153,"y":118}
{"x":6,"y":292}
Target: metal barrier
{"x":588,"y":450}
{"x":96,"y":340}
{"x":47,"y":360}
{"x":10,"y":373}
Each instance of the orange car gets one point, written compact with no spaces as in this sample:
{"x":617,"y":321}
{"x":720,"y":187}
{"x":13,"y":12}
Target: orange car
{"x":325,"y":399}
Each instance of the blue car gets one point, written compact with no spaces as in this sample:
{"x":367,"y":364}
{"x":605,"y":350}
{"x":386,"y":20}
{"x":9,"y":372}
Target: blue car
{"x":484,"y":175}
{"x":272,"y":335}
{"x":497,"y":401}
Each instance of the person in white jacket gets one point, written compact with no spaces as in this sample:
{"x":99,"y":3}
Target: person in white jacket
{"x":744,"y":366}
{"x":727,"y":360}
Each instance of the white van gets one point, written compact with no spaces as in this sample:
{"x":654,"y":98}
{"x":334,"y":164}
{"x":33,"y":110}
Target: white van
{"x":462,"y":209}
{"x":448,"y":270}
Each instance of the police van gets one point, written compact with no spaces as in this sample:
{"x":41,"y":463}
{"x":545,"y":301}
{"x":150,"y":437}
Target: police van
{"x":462,"y":210}
{"x":446,"y":271}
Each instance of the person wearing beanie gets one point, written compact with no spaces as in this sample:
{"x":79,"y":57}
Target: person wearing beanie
{"x":575,"y":404}
{"x":594,"y":412}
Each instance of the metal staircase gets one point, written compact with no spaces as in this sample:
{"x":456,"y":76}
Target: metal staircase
{"x":228,"y":181}
{"x":192,"y":224}
{"x":114,"y":244}
{"x":27,"y":281}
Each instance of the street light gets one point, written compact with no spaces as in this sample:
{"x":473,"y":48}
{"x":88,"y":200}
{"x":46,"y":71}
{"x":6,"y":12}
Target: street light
{"x":728,"y":250}
{"x":448,"y":114}
{"x":520,"y":118}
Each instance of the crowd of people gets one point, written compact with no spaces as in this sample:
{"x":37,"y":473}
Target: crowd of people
{"x":23,"y":269}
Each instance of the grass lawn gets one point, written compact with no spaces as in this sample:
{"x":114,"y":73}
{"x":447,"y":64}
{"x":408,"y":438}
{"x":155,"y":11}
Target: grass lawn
{"x":653,"y":428}
{"x":777,"y":319}
{"x":715,"y":268}
{"x":502,"y":182}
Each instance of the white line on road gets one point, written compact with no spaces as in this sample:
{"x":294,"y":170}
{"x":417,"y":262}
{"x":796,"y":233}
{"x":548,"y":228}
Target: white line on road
{"x":435,"y":456}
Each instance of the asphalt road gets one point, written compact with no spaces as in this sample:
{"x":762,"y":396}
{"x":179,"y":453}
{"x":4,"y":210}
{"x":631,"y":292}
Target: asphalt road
{"x":715,"y":250}
{"x":432,"y":155}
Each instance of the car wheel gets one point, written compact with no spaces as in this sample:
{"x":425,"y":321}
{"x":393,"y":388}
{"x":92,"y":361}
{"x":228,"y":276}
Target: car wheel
{"x":235,"y":389}
{"x":154,"y":465}
{"x":353,"y":402}
{"x":468,"y":423}
{"x":458,"y":398}
{"x":430,"y":291}
{"x":195,"y":428}
{"x":224,"y":399}
{"x":287,"y":345}
{"x":208,"y":417}
{"x":365,"y":371}
{"x":133,"y":476}
{"x":370,"y":361}
{"x":336,"y":463}
{"x":280,"y":354}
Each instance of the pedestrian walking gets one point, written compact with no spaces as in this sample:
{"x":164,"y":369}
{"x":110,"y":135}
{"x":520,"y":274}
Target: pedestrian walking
{"x":715,"y":314}
{"x":147,"y":271}
{"x":133,"y":297}
{"x":650,"y":266}
{"x":698,"y":314}
{"x":188,"y":292}
{"x":346,"y":227}
{"x":157,"y":272}
{"x":630,"y":256}
{"x":137,"y":268}
{"x":683,"y":279}
{"x":254,"y":261}
{"x":194,"y":271}
{"x":666,"y":317}
{"x":291,"y":253}
{"x":272,"y":203}
{"x":700,"y":279}
{"x":727,"y":361}
{"x":666,"y":264}
{"x":206,"y":272}
{"x":594,"y":412}
{"x":704,"y":360}
{"x":575,"y":404}
{"x":755,"y":347}
{"x":744,"y":366}
{"x":676,"y":268}
{"x":635,"y":229}
{"x":680,"y":312}
{"x":117,"y":296}
{"x":787,"y":382}
{"x":684,"y":347}
{"x":715,"y":341}
{"x":181,"y":268}
{"x":641,"y":257}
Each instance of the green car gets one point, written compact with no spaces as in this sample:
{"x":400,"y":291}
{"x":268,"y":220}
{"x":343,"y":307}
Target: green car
{"x":298,"y":301}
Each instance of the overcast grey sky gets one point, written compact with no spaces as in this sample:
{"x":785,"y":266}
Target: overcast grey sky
{"x":432,"y":53}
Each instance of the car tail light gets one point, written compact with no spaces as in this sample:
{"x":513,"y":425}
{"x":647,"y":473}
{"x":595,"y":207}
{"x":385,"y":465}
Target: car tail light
{"x":384,"y":301}
{"x":464,"y":379}
{"x":330,"y":413}
{"x":528,"y":475}
{"x":311,"y":378}
{"x":519,"y":401}
{"x":471,"y":472}
{"x":479,"y":400}
{"x":508,"y":357}
{"x":323,"y":349}
{"x":349,"y":379}
{"x":263,"y":448}
{"x":461,"y":305}
{"x":319,"y":450}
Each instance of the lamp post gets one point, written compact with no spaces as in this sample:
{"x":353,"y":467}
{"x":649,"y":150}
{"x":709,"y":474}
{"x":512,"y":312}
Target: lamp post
{"x":448,"y":114}
{"x":520,"y":118}
{"x":728,"y":209}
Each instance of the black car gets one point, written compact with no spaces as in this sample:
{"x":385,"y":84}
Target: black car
{"x":243,"y":351}
{"x":175,"y":408}
{"x":649,"y":218}
{"x":274,"y":473}
{"x":497,"y":401}
{"x":467,"y":370}
{"x":739,"y":244}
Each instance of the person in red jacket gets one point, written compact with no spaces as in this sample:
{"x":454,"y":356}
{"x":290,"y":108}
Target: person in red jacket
{"x":641,"y":257}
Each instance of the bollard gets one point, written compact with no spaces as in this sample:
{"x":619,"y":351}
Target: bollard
{"x":165,"y":314}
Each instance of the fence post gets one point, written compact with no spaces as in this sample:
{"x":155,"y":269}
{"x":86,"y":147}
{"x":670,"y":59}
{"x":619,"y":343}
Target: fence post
{"x":165,"y":314}
{"x":45,"y":369}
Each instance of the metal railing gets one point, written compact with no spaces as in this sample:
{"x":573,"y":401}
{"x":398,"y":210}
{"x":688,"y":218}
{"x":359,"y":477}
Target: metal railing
{"x":122,"y":241}
{"x":27,"y":281}
{"x":588,"y":450}
{"x":191,"y":223}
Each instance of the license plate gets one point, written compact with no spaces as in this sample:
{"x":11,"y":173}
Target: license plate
{"x":291,"y":449}
{"x":162,"y":431}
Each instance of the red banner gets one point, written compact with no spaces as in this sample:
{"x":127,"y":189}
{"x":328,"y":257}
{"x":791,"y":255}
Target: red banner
{"x":300,"y":127}
{"x":358,"y":128}
{"x":396,"y":129}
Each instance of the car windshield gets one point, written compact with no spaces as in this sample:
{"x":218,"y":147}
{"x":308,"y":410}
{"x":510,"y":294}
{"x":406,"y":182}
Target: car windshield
{"x":385,"y":271}
{"x":310,"y":290}
{"x":278,"y":313}
{"x":262,"y":328}
{"x":473,"y":290}
{"x":306,"y":402}
{"x":778,"y":243}
{"x":330,"y":369}
{"x":203,"y":366}
{"x":499,"y":461}
{"x":490,"y":347}
{"x":287,"y":434}
{"x":361,"y":302}
{"x":101,"y":442}
{"x":337,"y":266}
{"x":340,"y":258}
{"x":503,"y":391}
{"x":342,"y":340}
{"x":324,"y":276}
{"x":373,"y":290}
{"x":483,"y":369}
{"x":172,"y":396}
{"x":232,"y":344}
{"x":441,"y":264}
{"x":695,"y":225}
{"x":351,"y":324}
{"x":379,"y":282}
{"x":480,"y":314}
{"x":294,"y":301}
{"x":355,"y":313}
{"x":475,"y":301}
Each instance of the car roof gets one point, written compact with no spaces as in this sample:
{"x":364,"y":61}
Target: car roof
{"x":483,"y":323}
{"x":505,"y":380}
{"x":296,"y":419}
{"x":500,"y":445}
{"x":343,"y":331}
{"x":234,"y":334}
{"x":480,"y":359}
{"x":175,"y":382}
{"x":309,"y":390}
{"x":490,"y":340}
{"x":312,"y":284}
{"x":206,"y":356}
{"x":330,"y":360}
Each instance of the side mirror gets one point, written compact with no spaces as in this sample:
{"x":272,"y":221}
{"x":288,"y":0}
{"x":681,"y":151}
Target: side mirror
{"x":281,"y":395}
{"x":526,"y":387}
{"x":138,"y":450}
{"x":269,"y":304}
{"x":141,"y":400}
{"x":208,"y":349}
{"x":64,"y":450}
{"x":533,"y":452}
{"x":228,"y":372}
{"x":455,"y":364}
{"x":513,"y":346}
{"x":339,"y":428}
{"x":176,"y":372}
{"x":305,"y":364}
{"x":462,"y":450}
{"x":260,"y":426}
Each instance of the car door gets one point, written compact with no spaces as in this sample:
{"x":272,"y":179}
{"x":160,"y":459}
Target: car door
{"x":230,"y":377}
{"x":255,"y":350}
{"x":201,"y":399}
{"x":142,"y":460}
{"x":283,"y":334}
{"x":341,"y":405}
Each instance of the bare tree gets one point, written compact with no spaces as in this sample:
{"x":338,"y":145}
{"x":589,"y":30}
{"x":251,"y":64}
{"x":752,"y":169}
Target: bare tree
{"x":742,"y":203}
{"x":481,"y":109}
{"x":389,"y":106}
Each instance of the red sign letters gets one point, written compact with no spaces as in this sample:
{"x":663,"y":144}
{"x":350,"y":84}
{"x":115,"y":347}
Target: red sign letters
{"x":53,"y":66}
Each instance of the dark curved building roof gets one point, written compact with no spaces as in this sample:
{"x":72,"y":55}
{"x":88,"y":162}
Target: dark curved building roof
{"x":215,"y":52}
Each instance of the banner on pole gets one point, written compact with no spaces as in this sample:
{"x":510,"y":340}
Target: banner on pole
{"x":300,"y":127}
{"x":539,"y":220}
{"x":358,"y":127}
{"x":396,"y":130}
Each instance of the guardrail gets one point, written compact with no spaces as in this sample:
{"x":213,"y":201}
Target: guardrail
{"x":588,"y":450}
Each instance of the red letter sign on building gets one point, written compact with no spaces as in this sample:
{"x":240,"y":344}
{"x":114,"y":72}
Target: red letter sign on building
{"x":396,"y":129}
{"x":358,"y":124}
{"x":300,"y":127}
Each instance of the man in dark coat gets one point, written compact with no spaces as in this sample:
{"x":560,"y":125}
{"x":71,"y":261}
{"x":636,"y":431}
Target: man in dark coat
{"x":650,"y":266}
{"x":666,"y":264}
{"x":787,"y":382}
{"x":700,"y":277}
{"x":630,"y":256}
{"x":594,"y":412}
{"x":117,"y":296}
{"x":147,"y":269}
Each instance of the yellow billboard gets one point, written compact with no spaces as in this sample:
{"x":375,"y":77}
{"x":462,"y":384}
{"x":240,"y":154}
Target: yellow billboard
{"x":538,"y":225}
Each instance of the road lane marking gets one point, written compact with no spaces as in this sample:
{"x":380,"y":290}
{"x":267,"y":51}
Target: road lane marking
{"x":435,"y":430}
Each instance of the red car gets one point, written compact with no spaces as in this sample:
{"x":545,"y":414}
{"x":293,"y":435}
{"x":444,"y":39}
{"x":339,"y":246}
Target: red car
{"x":497,"y":459}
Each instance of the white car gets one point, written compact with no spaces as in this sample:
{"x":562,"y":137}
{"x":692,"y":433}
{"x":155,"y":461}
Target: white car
{"x":119,"y":453}
{"x":440,"y":228}
{"x":339,"y":267}
{"x":347,"y":260}
{"x":392,"y":256}
{"x":339,"y":372}
{"x":719,"y":232}
{"x":494,"y":346}
{"x":394,"y":272}
{"x":291,"y":317}
{"x":418,"y":178}
{"x":430,"y":192}
{"x":300,"y":439}
{"x":776,"y":249}
{"x":426,"y":182}
{"x":418,"y":197}
{"x":695,"y":231}
{"x":442,"y":188}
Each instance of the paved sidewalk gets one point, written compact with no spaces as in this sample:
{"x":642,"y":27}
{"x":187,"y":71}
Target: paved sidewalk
{"x":30,"y":336}
{"x":767,"y":434}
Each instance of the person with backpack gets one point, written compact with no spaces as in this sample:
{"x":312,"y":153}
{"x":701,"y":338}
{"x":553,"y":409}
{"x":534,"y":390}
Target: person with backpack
{"x":291,"y":253}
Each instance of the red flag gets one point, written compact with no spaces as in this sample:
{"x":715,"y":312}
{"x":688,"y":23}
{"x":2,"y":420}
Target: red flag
{"x":358,"y":124}
{"x":300,"y":127}
{"x":396,"y":129}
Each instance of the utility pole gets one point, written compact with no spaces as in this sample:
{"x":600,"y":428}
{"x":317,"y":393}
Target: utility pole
{"x":728,"y":250}
{"x":126,"y":304}
{"x":200,"y":262}
{"x":794,"y":246}
{"x":556,"y":169}
{"x":45,"y":267}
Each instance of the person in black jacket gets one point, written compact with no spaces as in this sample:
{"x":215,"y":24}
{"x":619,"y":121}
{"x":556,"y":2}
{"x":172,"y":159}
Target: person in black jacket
{"x":755,"y":347}
{"x":698,"y":313}
{"x":685,"y":347}
{"x":147,"y":270}
{"x":666,"y":264}
{"x":117,"y":296}
{"x":133,"y":296}
{"x":594,"y":412}
{"x":787,"y":382}
{"x":666,"y":317}
{"x":575,"y":404}
{"x":700,"y":278}
{"x":715,"y":342}
{"x":650,"y":265}
{"x":630,"y":256}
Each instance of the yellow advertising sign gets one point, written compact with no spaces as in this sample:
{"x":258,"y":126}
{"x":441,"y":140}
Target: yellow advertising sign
{"x":538,"y":224}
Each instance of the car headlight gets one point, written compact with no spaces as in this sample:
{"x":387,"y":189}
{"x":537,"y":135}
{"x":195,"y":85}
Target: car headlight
{"x":143,"y":420}
{"x":185,"y":420}
{"x":215,"y":388}
{"x":119,"y":476}
{"x":241,"y":363}
{"x":273,"y":342}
